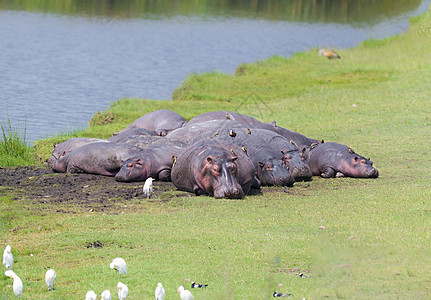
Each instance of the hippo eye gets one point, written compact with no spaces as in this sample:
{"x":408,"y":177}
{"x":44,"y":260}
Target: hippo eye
{"x":363,"y":162}
{"x":130,"y":165}
{"x":269,"y":167}
{"x":356,"y":158}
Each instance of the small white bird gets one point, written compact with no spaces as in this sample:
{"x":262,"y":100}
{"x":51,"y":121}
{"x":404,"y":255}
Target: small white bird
{"x":160,"y":292}
{"x":123,"y":291}
{"x":8,"y":258}
{"x":148,"y":187}
{"x":106,"y":295}
{"x":120,"y":265}
{"x":17,"y":282}
{"x":184,"y":294}
{"x":49,"y":278}
{"x":91,"y":295}
{"x":277,"y":294}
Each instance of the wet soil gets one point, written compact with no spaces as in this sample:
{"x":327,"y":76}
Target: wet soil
{"x":76,"y":192}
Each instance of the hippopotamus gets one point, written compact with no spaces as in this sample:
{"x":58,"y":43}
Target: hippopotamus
{"x":131,"y":134}
{"x":95,"y":158}
{"x":297,"y":139}
{"x":190,"y":131}
{"x":155,"y":161}
{"x":270,"y":165}
{"x":161,"y":121}
{"x":293,"y":158}
{"x":70,"y":145}
{"x":216,"y":168}
{"x":224,"y":115}
{"x":337,"y":160}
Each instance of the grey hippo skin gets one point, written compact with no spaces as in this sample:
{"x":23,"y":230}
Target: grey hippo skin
{"x":131,"y":134}
{"x":224,"y":115}
{"x":155,"y":161}
{"x":215,"y":168}
{"x":161,"y":121}
{"x":96,"y":158}
{"x":70,"y":145}
{"x":295,"y":159}
{"x":336,"y":160}
{"x":299,"y":140}
{"x":270,"y":165}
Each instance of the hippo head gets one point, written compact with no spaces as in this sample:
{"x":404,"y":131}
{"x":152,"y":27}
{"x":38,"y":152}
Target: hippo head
{"x":134,"y":169}
{"x":358,"y":166}
{"x":272,"y":172}
{"x":296,"y":162}
{"x":218,"y":176}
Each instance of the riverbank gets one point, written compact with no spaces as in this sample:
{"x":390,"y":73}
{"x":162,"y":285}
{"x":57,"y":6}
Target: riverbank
{"x":356,"y":238}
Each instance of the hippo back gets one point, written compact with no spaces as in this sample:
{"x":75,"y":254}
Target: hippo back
{"x":224,"y":115}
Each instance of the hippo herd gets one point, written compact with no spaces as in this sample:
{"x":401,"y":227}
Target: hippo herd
{"x":222,"y":154}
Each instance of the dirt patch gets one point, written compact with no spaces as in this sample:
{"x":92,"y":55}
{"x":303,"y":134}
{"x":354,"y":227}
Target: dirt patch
{"x":76,"y":192}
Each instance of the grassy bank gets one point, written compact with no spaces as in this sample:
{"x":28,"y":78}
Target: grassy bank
{"x":357,"y":238}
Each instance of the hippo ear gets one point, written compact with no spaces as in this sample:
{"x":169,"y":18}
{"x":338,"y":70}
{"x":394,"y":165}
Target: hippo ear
{"x":322,"y":141}
{"x":274,"y":124}
{"x":303,"y":150}
{"x":283,"y":151}
{"x":261,"y":164}
{"x":139,"y":161}
{"x":356,"y":158}
{"x":234,"y":158}
{"x":210,"y":159}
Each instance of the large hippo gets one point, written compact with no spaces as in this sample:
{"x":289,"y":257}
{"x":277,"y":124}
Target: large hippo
{"x":70,"y":145}
{"x":95,"y":158}
{"x":270,"y":165}
{"x":294,"y":159}
{"x":216,"y":168}
{"x":155,"y":161}
{"x":131,"y":134}
{"x":224,"y":115}
{"x":161,"y":121}
{"x":336,"y":160}
{"x":299,"y":140}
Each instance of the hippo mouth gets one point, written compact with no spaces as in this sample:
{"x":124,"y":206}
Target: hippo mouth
{"x":374,"y":173}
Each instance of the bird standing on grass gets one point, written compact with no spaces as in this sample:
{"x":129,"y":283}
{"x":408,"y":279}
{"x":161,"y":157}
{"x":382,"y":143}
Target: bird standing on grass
{"x":17,"y":283}
{"x":160,"y":292}
{"x":148,"y":187}
{"x":329,"y":54}
{"x":106,"y":295}
{"x":49,"y":278}
{"x":8,"y":258}
{"x":198,"y":285}
{"x":119,"y":264}
{"x":123,"y":291}
{"x":91,"y":295}
{"x":277,"y":294}
{"x":184,"y":294}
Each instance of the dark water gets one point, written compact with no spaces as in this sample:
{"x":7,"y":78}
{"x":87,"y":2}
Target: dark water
{"x":62,"y":61}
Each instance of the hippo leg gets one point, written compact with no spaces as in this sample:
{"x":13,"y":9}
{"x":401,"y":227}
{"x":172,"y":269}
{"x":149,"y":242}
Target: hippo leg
{"x":165,"y":175}
{"x":328,"y":172}
{"x":256,"y":183}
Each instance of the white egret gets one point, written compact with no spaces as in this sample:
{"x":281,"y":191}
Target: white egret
{"x":49,"y":278}
{"x":185,"y":294}
{"x":17,"y":282}
{"x":148,"y":187}
{"x":160,"y":292}
{"x":123,"y":291}
{"x":91,"y":295}
{"x":119,"y":264}
{"x":8,"y":257}
{"x":106,"y":295}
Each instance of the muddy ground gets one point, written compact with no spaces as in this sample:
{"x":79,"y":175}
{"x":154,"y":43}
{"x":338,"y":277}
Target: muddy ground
{"x":39,"y":184}
{"x":72,"y":193}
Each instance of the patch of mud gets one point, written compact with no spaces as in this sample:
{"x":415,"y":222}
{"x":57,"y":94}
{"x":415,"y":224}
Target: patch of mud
{"x":75,"y":192}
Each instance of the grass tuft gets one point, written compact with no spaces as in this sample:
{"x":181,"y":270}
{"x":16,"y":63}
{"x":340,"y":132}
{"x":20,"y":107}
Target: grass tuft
{"x":15,"y":150}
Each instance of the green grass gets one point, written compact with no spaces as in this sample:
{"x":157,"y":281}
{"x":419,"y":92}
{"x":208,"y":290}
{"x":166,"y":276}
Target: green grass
{"x":375,"y":241}
{"x":15,"y":149}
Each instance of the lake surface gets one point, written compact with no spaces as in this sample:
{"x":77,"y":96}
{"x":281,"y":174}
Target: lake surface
{"x":61,"y":64}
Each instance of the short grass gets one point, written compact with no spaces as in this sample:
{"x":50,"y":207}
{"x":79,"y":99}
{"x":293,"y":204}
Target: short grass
{"x":357,"y":238}
{"x":15,"y":150}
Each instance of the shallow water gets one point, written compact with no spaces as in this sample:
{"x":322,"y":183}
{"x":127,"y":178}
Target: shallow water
{"x":58,"y":69}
